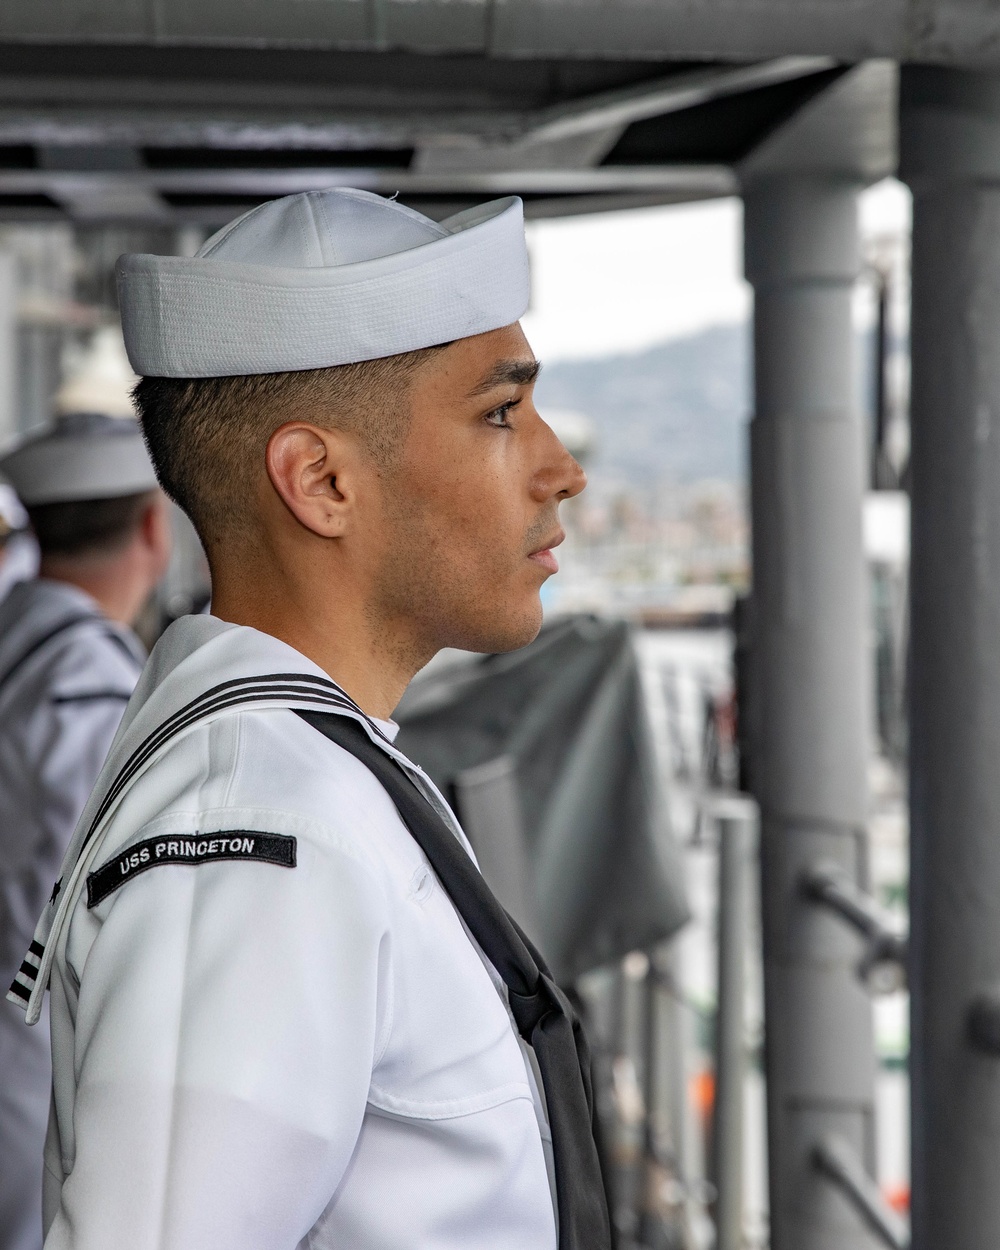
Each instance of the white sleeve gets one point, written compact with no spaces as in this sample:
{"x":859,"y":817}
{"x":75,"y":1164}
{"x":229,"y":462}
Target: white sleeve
{"x":229,"y":1018}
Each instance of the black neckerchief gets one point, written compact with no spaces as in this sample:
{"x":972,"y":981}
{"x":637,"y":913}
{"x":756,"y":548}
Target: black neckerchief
{"x":543,"y":1014}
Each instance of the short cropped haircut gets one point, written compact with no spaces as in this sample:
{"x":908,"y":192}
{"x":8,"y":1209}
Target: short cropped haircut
{"x":88,"y":527}
{"x":207,"y":436}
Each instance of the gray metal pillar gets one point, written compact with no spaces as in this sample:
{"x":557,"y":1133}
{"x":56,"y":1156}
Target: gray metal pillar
{"x":950,"y":153}
{"x":810,"y":680}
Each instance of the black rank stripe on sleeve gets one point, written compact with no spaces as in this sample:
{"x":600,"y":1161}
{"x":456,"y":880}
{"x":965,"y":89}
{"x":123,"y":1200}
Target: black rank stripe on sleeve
{"x":199,"y":848}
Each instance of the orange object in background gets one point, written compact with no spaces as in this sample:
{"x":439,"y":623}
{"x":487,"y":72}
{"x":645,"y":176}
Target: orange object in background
{"x":702,"y":1092}
{"x":898,"y":1197}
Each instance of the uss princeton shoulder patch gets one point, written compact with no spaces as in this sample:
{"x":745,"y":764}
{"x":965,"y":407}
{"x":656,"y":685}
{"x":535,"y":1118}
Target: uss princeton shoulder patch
{"x":199,"y":848}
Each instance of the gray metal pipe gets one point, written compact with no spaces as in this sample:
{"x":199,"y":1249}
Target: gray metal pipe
{"x":950,"y":152}
{"x":810,"y":692}
{"x":736,"y":823}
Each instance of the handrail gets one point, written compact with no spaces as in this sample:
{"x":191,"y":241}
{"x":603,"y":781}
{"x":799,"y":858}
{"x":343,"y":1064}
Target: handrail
{"x":835,"y":1159}
{"x":829,"y":884}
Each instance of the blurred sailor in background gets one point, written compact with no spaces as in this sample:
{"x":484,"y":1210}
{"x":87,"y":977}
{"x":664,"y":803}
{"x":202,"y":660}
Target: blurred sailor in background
{"x":68,"y":664}
{"x":18,"y":548}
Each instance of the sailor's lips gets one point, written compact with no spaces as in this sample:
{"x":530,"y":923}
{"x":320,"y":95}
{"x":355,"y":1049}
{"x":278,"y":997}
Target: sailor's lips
{"x":545,"y":556}
{"x":546,"y":559}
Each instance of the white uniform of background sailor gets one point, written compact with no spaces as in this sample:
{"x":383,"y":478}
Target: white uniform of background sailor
{"x":66,"y":673}
{"x":270,"y":1026}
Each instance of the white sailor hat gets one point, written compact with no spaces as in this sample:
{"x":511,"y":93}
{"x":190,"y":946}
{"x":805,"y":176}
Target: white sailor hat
{"x":80,"y":455}
{"x":320,"y":279}
{"x":13,"y":517}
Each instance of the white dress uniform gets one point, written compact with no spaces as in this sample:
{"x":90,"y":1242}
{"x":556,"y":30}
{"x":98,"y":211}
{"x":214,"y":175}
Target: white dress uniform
{"x":270,"y":1026}
{"x":66,"y":674}
{"x":300,"y":1049}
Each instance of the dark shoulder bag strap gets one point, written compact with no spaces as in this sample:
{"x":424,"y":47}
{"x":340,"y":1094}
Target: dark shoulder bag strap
{"x":543,"y":1014}
{"x":37,"y":644}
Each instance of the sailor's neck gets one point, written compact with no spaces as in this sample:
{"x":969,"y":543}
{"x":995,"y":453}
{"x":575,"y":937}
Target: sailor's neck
{"x":371,"y":664}
{"x":105,"y":581}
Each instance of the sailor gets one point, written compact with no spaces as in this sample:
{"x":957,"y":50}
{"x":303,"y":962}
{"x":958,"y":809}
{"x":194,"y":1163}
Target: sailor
{"x":286,"y":1010}
{"x":68,"y":664}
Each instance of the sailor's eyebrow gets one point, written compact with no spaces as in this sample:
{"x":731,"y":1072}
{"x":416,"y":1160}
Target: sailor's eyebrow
{"x":508,"y":373}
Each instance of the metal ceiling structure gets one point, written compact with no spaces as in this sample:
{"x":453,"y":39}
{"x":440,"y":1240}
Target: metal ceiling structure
{"x":139,"y":127}
{"x":958,"y":32}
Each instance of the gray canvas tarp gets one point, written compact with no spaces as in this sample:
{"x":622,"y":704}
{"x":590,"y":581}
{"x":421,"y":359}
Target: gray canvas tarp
{"x":548,"y":748}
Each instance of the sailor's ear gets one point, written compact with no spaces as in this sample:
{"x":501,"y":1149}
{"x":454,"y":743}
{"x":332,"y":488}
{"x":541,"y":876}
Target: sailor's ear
{"x":312,"y":471}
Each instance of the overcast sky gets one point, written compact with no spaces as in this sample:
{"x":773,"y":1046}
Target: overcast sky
{"x":618,"y":282}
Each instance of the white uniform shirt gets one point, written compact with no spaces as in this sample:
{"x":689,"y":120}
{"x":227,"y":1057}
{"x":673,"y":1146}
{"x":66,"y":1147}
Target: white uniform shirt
{"x":62,"y":695}
{"x":252,"y":1056}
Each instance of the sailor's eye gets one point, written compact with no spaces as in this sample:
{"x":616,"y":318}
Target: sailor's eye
{"x":498,"y":417}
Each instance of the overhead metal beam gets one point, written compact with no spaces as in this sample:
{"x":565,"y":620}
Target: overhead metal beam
{"x":849,"y":130}
{"x":691,"y":179}
{"x":76,"y":177}
{"x":584,"y":131}
{"x":91,"y":198}
{"x":575,"y":205}
{"x":230,"y":126}
{"x":667,"y":95}
{"x":209,"y":215}
{"x":72,"y":109}
{"x":936,"y":31}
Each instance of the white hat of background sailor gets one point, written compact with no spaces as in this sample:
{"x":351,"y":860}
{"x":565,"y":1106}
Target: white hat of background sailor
{"x":94,"y":448}
{"x":80,"y":455}
{"x":320,"y":279}
{"x":13,"y":517}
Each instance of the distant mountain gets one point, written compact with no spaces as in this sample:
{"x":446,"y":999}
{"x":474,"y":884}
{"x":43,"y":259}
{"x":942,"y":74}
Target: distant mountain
{"x":674,"y":412}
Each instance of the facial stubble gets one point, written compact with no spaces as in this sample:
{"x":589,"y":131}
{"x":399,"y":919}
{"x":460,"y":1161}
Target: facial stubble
{"x":424,"y":598}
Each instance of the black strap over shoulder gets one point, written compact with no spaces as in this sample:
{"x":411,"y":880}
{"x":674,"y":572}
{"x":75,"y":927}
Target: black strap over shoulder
{"x":36,"y":645}
{"x":543,"y":1014}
